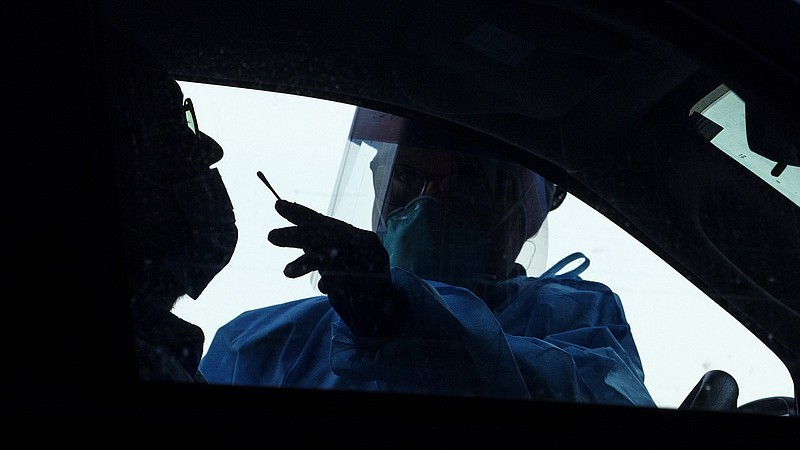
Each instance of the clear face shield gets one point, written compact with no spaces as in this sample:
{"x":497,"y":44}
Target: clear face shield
{"x":390,"y":170}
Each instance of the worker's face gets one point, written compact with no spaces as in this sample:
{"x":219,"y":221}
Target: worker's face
{"x":471,"y":187}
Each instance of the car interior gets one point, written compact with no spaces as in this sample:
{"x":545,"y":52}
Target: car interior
{"x":622,"y":106}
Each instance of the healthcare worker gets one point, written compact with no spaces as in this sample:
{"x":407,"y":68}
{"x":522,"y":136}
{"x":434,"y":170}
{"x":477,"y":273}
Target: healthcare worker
{"x":178,"y":227}
{"x":431,"y":300}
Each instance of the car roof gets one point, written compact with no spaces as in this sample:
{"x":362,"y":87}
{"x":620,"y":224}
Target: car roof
{"x":576,"y":89}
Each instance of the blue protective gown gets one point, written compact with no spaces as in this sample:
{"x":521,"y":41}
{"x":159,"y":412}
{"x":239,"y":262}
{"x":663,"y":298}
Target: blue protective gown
{"x":556,"y":337}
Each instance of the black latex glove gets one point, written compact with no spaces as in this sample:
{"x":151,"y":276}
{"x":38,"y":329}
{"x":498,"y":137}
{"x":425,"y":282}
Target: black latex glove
{"x":354,"y":269}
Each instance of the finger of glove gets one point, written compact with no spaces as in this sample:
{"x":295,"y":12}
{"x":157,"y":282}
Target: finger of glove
{"x":299,"y":214}
{"x":300,"y":266}
{"x":324,"y":230}
{"x":327,"y":228}
{"x":325,"y":244}
{"x":325,"y":260}
{"x":327,"y":284}
{"x":287,"y":237}
{"x":332,"y":233}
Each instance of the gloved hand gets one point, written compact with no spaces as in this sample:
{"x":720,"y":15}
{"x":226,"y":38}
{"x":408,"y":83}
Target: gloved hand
{"x":354,"y":269}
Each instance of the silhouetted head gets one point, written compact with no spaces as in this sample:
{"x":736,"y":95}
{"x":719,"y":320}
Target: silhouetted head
{"x":177,"y":219}
{"x":444,"y":208}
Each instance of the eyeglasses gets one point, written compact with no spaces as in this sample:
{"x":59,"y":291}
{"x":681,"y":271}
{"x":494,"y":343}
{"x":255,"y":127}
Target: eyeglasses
{"x":203,"y":148}
{"x":191,"y":117}
{"x":466,"y":191}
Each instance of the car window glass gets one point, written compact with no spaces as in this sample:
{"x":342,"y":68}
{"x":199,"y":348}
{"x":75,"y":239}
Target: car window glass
{"x":298,"y":142}
{"x":724,"y":118}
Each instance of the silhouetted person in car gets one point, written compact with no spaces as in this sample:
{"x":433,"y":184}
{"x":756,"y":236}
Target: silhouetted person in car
{"x":177,"y":221}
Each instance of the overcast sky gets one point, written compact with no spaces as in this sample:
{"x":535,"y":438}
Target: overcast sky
{"x":298,"y":143}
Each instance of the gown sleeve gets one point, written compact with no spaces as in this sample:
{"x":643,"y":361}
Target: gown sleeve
{"x":566,"y":342}
{"x":447,"y":330}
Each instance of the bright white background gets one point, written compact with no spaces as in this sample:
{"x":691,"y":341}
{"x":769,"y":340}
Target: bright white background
{"x":298,"y":143}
